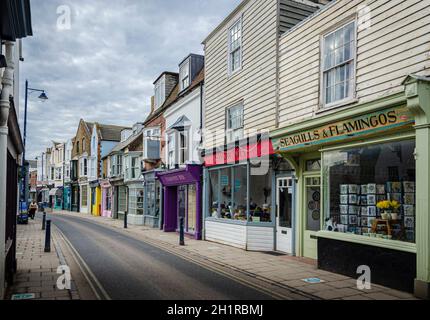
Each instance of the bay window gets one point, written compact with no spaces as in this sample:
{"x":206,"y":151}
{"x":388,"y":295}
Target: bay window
{"x":338,"y":65}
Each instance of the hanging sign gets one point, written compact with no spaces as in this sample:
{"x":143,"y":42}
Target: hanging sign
{"x":361,"y":125}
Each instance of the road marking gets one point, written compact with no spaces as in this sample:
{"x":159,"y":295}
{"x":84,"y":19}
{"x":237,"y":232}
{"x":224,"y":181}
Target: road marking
{"x":87,"y":272}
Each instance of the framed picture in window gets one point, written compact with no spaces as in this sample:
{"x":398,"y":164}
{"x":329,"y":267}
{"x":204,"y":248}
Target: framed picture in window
{"x":409,"y":222}
{"x":363,"y":189}
{"x":396,"y":197}
{"x":353,"y":210}
{"x":380,"y":189}
{"x":353,"y":220}
{"x":409,"y":198}
{"x":363,"y":200}
{"x":410,"y":235}
{"x":408,"y":186}
{"x":344,"y":219}
{"x":371,"y":188}
{"x":371,"y":199}
{"x":371,"y":211}
{"x":363,"y":210}
{"x":396,"y":187}
{"x":343,"y":189}
{"x":344,"y":199}
{"x":352,"y":199}
{"x":364,"y":221}
{"x":353,"y":189}
{"x":408,"y":210}
{"x":343,"y":209}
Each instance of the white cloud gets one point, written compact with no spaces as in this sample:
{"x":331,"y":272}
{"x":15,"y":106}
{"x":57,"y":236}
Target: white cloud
{"x":103,"y":68}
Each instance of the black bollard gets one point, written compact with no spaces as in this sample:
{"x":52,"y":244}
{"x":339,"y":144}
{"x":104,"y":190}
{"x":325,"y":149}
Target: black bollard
{"x":48,"y":236}
{"x":44,"y":220}
{"x":181,"y":232}
{"x":125,"y":220}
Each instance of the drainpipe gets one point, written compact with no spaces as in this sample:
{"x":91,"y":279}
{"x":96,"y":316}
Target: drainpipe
{"x":7,"y":89}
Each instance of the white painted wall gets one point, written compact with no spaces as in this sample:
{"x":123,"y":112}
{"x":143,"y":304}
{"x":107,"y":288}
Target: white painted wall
{"x":190,"y":107}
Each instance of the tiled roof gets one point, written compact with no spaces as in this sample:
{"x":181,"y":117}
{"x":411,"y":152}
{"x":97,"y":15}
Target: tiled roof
{"x":175,"y":96}
{"x":110,"y":132}
{"x":122,"y":145}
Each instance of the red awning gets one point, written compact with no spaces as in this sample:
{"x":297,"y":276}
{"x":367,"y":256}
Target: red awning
{"x":240,"y":153}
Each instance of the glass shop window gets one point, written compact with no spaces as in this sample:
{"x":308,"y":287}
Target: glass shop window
{"x":226,"y":193}
{"x":370,"y":191}
{"x":239,"y":209}
{"x":260,"y":194}
{"x":122,"y":199}
{"x":109,"y":199}
{"x":139,"y":201}
{"x":214,"y":193}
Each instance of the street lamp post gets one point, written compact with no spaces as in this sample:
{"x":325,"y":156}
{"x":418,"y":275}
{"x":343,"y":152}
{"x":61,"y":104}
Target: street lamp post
{"x":43,"y":97}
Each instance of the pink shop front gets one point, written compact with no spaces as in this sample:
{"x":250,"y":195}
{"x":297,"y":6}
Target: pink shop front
{"x":106,"y":198}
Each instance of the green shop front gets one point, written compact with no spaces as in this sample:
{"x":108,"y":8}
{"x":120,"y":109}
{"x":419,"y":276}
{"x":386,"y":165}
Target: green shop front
{"x":362,"y":181}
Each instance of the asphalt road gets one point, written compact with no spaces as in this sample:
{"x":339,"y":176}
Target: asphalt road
{"x":128,"y":268}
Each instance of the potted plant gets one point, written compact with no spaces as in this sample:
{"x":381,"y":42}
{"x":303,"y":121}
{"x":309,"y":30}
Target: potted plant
{"x":388,"y":207}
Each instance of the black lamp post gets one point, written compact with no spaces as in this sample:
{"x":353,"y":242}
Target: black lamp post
{"x":43,"y":97}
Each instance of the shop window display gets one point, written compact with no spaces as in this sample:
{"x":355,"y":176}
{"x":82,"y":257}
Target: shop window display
{"x":136,"y":201}
{"x":228,"y":194}
{"x":370,"y":191}
{"x":260,"y":194}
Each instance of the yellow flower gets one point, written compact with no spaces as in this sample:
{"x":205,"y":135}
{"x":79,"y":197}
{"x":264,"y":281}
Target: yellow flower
{"x":395,"y":205}
{"x":385,"y":204}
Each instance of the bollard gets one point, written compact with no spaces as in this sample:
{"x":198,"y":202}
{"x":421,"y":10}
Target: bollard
{"x":44,"y":220}
{"x":125,"y":220}
{"x":48,"y":236}
{"x":181,"y":231}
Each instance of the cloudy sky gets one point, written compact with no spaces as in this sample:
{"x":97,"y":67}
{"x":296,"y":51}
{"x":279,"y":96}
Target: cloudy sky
{"x":103,"y":66}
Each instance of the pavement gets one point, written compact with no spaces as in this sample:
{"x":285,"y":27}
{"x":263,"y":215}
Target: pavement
{"x":263,"y":275}
{"x":37,"y":276}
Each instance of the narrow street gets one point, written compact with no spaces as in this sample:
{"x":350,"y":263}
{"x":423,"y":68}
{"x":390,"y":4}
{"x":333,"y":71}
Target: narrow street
{"x":131,"y":269}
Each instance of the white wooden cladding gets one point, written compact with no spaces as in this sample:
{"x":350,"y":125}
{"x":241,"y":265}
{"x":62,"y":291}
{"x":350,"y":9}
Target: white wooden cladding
{"x":255,"y":84}
{"x":397,"y":43}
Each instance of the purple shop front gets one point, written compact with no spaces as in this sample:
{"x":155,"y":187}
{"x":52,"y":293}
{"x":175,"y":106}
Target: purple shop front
{"x":183,"y":198}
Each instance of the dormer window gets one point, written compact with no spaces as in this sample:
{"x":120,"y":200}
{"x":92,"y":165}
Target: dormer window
{"x":184,"y":75}
{"x":160,"y":92}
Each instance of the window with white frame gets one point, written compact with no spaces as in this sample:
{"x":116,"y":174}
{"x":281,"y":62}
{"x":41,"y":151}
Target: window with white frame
{"x":235,"y":47}
{"x":184,"y":75}
{"x":171,"y":150}
{"x":135,"y":167}
{"x":183,"y":147}
{"x":234,"y":123}
{"x":339,"y":55}
{"x":160,"y":92}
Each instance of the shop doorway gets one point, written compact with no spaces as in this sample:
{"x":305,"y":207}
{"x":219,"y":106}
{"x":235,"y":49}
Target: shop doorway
{"x":285,"y":210}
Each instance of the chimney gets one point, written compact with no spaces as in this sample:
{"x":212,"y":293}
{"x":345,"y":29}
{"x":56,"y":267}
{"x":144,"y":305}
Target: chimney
{"x":152,"y":104}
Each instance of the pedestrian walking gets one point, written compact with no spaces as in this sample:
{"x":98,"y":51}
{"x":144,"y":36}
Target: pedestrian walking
{"x":33,"y":209}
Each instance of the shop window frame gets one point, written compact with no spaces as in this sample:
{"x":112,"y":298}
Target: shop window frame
{"x":360,"y":239}
{"x":207,"y":210}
